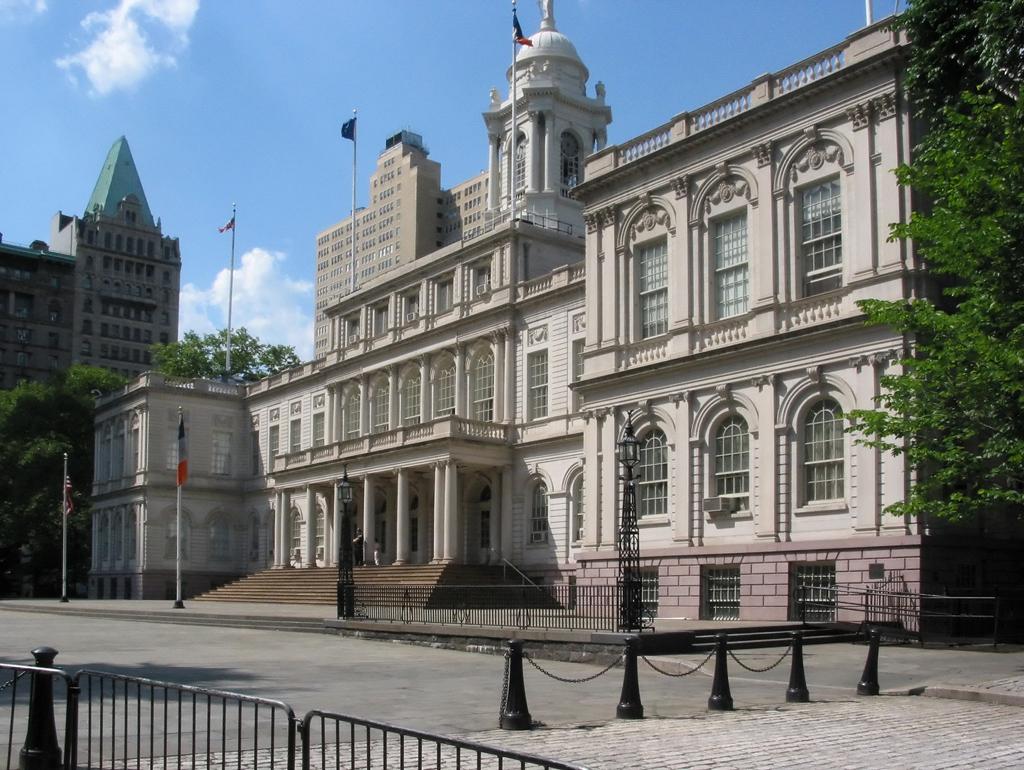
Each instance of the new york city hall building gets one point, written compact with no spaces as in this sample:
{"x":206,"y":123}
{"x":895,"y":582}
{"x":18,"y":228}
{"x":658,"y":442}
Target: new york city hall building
{"x":701,"y":280}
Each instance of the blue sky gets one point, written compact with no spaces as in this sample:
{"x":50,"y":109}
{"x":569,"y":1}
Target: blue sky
{"x":241,"y":101}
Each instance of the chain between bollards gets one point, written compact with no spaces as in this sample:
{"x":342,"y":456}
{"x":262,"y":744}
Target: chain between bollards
{"x":693,"y":670}
{"x":766,"y":668}
{"x":570,"y":680}
{"x":17,"y":675}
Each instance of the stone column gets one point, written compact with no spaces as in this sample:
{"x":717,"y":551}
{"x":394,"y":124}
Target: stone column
{"x":309,"y":544}
{"x":506,"y":512}
{"x":499,"y":375}
{"x":765,"y":521}
{"x":509,"y":376}
{"x":552,"y":167}
{"x":593,"y":465}
{"x":280,"y":541}
{"x":493,"y":194}
{"x":460,"y":380}
{"x":533,"y":166}
{"x":364,"y":405}
{"x":393,"y":421}
{"x":609,"y":481}
{"x":369,"y":509}
{"x":143,"y":439}
{"x":437,"y":551}
{"x":426,"y":407}
{"x":402,"y":517}
{"x":332,"y":400}
{"x":451,"y":486}
{"x":497,"y":514}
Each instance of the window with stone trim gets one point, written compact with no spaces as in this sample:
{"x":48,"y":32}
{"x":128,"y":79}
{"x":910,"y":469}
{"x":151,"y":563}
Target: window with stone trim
{"x":296,"y":536}
{"x":444,"y":389}
{"x":577,"y":508}
{"x":482,"y":387}
{"x":732,"y":285}
{"x":220,"y":539}
{"x":537,"y":378}
{"x":321,"y":530}
{"x":319,"y":425}
{"x":732,"y":461}
{"x":351,"y":414}
{"x":652,"y":280}
{"x":652,"y":486}
{"x":823,"y":452}
{"x":381,"y":405}
{"x":821,"y":237}
{"x":221,"y":454}
{"x":295,"y":435}
{"x":539,"y":514}
{"x":411,"y":399}
{"x":570,"y":149}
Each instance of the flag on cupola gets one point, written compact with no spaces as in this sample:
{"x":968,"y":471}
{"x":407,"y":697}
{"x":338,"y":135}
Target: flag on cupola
{"x":517,"y":31}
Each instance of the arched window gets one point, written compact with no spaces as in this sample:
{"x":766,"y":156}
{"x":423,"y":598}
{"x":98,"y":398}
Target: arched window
{"x":104,"y":536}
{"x":171,"y":540}
{"x":652,"y":281}
{"x":351,"y":414}
{"x":411,"y":399}
{"x":296,"y":533}
{"x":652,"y":489}
{"x":577,"y":508}
{"x":539,"y":514}
{"x":729,"y":246}
{"x":570,"y":147}
{"x":481,"y":380}
{"x":444,"y":389}
{"x":117,"y":532}
{"x":823,"y":452}
{"x":220,"y":546}
{"x":131,"y":537}
{"x":522,"y":151}
{"x":821,"y":237}
{"x":381,"y":404}
{"x":732,"y":462}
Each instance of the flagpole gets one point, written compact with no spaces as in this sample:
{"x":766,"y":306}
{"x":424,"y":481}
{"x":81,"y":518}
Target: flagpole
{"x":513,"y":137}
{"x":178,"y":603}
{"x":355,"y":137}
{"x":64,"y":534}
{"x":231,"y":291}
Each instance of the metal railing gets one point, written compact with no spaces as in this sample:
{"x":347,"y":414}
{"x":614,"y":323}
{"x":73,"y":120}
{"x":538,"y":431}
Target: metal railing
{"x":562,"y":606}
{"x":334,"y":741}
{"x":116,"y":721}
{"x":925,"y":617}
{"x":132,"y":721}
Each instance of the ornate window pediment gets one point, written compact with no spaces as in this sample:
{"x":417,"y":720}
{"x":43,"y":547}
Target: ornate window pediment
{"x":816,"y":157}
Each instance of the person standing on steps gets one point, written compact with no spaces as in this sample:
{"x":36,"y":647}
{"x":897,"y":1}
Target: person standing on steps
{"x":376,"y":553}
{"x":357,"y":549}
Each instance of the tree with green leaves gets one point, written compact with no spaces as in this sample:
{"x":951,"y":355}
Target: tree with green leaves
{"x":39,"y":422}
{"x":956,"y":407}
{"x":205,"y":356}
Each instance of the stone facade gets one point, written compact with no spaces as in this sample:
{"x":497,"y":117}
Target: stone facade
{"x":699,"y":281}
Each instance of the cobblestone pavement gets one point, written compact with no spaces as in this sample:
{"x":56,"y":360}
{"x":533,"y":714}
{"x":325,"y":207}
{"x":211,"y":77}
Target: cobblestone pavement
{"x":885,"y":732}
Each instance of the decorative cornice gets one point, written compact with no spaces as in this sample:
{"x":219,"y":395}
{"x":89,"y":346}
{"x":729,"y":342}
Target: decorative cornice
{"x":681,"y":187}
{"x":654,"y":216}
{"x":816,"y":156}
{"x":884,"y":106}
{"x":729,"y":188}
{"x":859,"y":115}
{"x":763,"y":154}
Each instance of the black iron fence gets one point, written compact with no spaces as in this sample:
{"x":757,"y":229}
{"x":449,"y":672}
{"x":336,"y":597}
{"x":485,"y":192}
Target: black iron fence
{"x":560,"y":606}
{"x":925,"y":617}
{"x":116,"y":721}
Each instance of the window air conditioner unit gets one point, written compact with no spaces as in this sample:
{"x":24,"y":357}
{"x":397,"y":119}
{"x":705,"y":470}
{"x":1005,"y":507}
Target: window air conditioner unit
{"x":297,"y":554}
{"x":320,"y":553}
{"x":482,"y":289}
{"x":720,"y":505}
{"x":410,"y":317}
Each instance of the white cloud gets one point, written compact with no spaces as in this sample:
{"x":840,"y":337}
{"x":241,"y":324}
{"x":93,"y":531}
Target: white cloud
{"x":131,"y":41}
{"x":19,"y":10}
{"x":272,"y":306}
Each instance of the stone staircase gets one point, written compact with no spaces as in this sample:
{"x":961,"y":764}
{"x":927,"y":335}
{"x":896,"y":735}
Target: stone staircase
{"x":319,"y":585}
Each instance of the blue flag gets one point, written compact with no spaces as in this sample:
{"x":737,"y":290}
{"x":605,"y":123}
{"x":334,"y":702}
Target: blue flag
{"x":348,"y":129}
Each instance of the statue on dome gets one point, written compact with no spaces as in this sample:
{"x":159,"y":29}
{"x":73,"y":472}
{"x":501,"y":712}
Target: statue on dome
{"x":547,"y":13}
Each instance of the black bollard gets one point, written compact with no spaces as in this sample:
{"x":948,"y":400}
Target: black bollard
{"x":41,"y":750}
{"x":630,"y":706}
{"x":721,"y":698}
{"x":515,"y":715}
{"x":868,"y":684}
{"x":797,"y":690}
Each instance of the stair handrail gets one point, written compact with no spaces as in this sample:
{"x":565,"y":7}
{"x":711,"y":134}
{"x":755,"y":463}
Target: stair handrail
{"x":506,"y":563}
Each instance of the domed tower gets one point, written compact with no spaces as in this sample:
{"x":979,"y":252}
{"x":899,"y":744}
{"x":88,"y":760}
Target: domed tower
{"x":557,"y":126}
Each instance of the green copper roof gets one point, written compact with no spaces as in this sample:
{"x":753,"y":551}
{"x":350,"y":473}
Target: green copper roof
{"x":119,"y":179}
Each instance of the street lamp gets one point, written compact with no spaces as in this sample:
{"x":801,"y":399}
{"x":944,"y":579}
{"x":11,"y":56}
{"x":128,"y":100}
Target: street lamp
{"x":346,"y":585}
{"x":628,"y":582}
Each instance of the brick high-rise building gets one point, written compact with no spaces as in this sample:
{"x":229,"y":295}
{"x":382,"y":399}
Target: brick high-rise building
{"x":127,"y":272}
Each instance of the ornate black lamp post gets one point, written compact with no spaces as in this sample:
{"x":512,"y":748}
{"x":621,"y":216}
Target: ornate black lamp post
{"x":628,"y":583}
{"x":346,"y":598}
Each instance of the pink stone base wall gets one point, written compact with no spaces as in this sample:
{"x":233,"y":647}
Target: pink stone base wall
{"x":764,"y":575}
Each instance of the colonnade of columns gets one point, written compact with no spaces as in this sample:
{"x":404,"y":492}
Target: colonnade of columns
{"x":443,"y":516}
